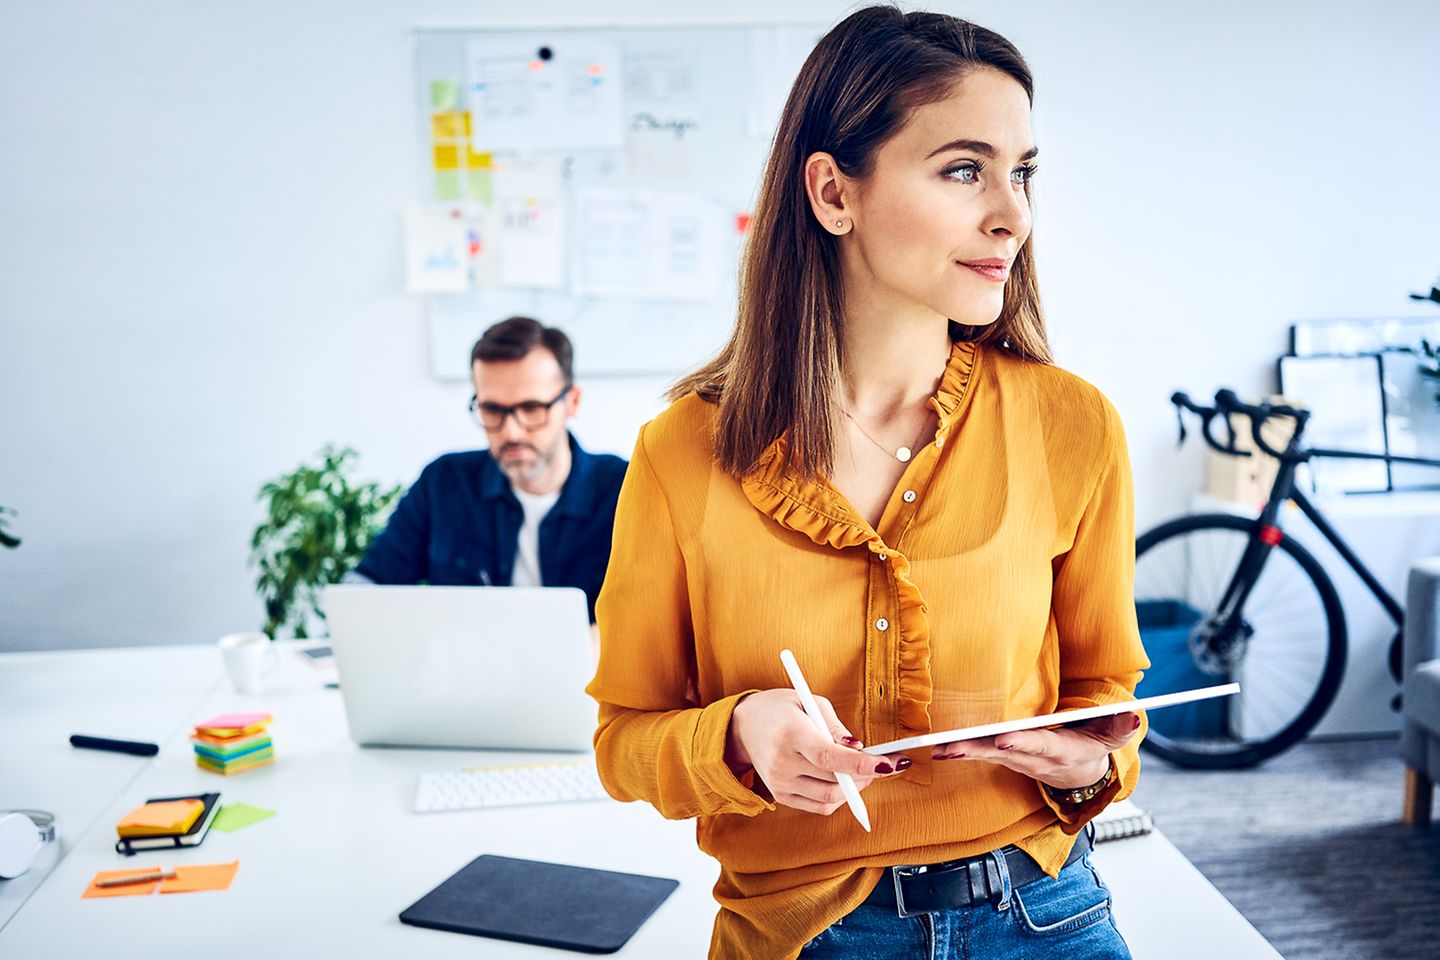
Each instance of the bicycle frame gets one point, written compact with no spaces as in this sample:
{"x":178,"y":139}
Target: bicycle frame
{"x":1267,"y":533}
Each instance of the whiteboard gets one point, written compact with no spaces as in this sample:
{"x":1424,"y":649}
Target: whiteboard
{"x":697,"y":107}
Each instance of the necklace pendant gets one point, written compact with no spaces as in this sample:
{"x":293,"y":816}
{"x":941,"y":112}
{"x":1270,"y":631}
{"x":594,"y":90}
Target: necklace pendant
{"x":903,"y":454}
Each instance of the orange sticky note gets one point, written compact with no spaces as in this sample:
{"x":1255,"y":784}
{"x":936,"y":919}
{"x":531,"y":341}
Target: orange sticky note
{"x":159,"y":819}
{"x":201,"y":876}
{"x":126,"y":890}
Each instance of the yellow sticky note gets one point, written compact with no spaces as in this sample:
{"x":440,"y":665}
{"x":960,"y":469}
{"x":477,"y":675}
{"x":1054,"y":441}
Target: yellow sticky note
{"x":450,"y":125}
{"x":478,"y":161}
{"x":206,"y":876}
{"x":447,"y":157}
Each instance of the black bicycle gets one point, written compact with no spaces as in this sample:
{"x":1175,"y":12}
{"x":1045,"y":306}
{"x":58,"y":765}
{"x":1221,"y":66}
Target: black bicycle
{"x":1224,"y":598}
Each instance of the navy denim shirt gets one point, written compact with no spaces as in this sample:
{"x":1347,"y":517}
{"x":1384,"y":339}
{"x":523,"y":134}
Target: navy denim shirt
{"x":460,"y":522}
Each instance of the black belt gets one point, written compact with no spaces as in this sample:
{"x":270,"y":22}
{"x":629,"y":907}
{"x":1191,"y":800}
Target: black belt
{"x":954,"y":884}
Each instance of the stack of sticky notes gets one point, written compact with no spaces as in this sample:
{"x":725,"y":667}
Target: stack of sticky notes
{"x":233,"y":743}
{"x":166,"y":818}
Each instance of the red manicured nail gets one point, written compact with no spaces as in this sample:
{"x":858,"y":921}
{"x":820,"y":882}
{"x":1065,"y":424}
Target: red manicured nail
{"x":852,"y":742}
{"x":1008,"y":746}
{"x":903,"y":763}
{"x":883,"y":767}
{"x":1136,"y":725}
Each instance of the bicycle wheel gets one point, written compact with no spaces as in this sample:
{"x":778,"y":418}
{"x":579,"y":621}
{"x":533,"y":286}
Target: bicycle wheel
{"x":1286,"y":646}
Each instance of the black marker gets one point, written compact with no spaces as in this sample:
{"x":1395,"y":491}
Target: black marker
{"x":137,"y":747}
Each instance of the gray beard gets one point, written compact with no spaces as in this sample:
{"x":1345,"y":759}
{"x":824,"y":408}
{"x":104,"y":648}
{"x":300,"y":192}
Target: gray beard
{"x":543,"y":462}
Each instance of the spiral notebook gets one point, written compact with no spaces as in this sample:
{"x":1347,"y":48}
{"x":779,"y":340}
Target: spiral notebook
{"x":1120,"y":820}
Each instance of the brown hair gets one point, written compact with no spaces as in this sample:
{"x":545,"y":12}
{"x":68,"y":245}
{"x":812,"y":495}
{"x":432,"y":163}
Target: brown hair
{"x":779,"y":370}
{"x":513,"y":338}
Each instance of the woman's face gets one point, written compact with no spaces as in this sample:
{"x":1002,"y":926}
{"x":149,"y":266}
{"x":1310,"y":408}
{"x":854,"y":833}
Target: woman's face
{"x":946,"y":191}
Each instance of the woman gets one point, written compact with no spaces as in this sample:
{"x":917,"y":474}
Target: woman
{"x":883,"y":472}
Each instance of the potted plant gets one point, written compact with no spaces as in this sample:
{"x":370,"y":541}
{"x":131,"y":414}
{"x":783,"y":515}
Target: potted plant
{"x":316,"y":528}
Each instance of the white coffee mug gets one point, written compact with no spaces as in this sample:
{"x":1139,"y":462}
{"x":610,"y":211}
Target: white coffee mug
{"x":250,"y":659}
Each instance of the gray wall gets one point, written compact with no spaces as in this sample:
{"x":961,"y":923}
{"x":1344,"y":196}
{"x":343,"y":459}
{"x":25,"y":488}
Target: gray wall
{"x":200,"y":263}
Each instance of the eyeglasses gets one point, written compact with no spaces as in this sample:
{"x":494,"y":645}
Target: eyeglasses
{"x":530,"y":414}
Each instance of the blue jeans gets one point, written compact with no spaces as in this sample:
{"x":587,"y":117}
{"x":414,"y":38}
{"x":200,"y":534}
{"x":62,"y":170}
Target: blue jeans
{"x":1067,"y":917}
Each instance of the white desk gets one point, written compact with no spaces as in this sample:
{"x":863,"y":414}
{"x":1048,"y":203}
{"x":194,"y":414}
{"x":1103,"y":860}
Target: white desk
{"x":329,"y":875}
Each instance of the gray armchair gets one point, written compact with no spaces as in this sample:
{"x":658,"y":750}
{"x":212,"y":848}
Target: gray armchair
{"x":1420,"y":730}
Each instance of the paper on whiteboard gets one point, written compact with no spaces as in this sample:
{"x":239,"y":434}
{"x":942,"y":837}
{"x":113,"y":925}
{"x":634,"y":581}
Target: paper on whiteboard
{"x":648,"y":245}
{"x":483,"y":239}
{"x":659,"y":77}
{"x":776,"y":56}
{"x":436,"y":255}
{"x":530,"y":204}
{"x":457,"y":322}
{"x":521,"y":101}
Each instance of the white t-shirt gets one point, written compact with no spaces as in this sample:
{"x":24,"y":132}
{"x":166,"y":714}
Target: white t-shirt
{"x":527,"y":548}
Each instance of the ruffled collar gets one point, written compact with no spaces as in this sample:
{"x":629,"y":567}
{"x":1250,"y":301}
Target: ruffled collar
{"x":817,"y":510}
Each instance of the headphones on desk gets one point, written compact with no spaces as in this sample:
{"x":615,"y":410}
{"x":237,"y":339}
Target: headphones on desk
{"x":23,"y":834}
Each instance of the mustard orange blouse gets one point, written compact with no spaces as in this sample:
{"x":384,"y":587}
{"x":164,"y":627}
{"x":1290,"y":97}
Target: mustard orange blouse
{"x":998,"y":584}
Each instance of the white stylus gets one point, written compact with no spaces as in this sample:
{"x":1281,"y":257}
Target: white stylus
{"x":812,"y":710}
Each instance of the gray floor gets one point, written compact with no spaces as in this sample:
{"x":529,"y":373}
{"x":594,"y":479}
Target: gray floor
{"x":1310,"y":848}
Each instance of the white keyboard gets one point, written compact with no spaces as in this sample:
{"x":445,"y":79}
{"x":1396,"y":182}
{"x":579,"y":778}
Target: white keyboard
{"x":482,"y":787}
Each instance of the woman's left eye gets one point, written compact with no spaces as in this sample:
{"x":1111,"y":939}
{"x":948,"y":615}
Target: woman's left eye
{"x":1023,"y":175}
{"x":963,"y":172}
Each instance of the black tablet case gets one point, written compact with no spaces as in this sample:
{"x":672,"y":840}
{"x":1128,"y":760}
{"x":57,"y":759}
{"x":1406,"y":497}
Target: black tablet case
{"x":549,"y":904}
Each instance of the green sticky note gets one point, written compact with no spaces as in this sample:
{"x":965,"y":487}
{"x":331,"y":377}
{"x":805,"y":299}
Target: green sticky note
{"x":447,"y":185}
{"x":480,"y":185}
{"x":444,"y":94}
{"x":238,"y":816}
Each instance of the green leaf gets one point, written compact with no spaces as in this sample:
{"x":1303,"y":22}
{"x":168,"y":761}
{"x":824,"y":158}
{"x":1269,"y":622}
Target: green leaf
{"x":318,"y":524}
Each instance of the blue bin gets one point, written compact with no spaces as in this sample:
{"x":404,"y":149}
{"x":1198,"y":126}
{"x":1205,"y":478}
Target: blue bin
{"x":1165,"y":627}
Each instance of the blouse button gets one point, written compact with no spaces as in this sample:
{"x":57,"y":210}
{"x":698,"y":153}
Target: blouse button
{"x":882,"y":624}
{"x":939,"y":441}
{"x":908,"y":496}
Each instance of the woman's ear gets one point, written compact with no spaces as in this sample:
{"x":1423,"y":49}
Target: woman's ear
{"x":831,"y":194}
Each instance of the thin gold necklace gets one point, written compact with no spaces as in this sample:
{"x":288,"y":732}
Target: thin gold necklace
{"x":903,"y":454}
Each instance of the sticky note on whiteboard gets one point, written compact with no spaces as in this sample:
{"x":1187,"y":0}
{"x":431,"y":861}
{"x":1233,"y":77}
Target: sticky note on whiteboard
{"x":437,"y":258}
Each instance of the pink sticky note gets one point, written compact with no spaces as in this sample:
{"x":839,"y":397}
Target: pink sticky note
{"x":227,"y":721}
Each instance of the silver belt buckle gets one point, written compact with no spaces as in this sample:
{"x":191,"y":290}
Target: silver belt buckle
{"x":895,"y":874}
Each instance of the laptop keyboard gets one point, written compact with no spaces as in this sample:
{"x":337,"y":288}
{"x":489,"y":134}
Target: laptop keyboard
{"x":479,"y":788}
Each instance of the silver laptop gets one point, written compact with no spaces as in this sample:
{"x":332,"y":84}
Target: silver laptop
{"x":478,"y":667}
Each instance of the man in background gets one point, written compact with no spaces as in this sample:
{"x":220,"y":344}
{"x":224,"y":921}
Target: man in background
{"x":534,"y":509}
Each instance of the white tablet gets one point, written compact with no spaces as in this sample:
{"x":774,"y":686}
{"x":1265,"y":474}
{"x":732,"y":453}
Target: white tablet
{"x":1054,"y":719}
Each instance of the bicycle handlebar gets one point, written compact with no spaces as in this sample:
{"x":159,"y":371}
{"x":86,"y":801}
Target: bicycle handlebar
{"x":1226,"y":403}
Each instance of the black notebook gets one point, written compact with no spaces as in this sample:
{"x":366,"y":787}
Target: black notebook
{"x":549,"y":904}
{"x":193,"y":837}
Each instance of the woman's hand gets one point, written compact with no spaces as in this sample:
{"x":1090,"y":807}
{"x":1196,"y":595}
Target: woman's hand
{"x":1065,"y":757}
{"x":770,"y":732}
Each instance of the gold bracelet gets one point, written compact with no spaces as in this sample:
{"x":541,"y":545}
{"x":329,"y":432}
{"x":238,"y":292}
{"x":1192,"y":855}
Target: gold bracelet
{"x":1080,"y":795}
